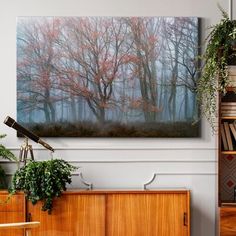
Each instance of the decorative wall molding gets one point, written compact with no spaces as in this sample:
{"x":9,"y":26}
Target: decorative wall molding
{"x":92,"y":148}
{"x":127,"y":161}
{"x":203,"y":174}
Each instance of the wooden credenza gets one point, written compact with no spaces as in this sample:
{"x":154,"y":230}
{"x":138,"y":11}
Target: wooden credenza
{"x":115,"y":213}
{"x":228,"y":221}
{"x":12,"y":211}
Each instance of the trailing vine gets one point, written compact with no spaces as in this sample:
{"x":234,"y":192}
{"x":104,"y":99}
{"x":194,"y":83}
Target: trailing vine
{"x":217,"y":56}
{"x":43,"y":181}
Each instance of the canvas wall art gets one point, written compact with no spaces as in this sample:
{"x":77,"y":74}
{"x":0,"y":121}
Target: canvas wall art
{"x":108,"y":76}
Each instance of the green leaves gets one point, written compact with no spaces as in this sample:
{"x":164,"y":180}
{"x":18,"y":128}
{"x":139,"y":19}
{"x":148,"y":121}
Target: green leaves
{"x":43,"y":181}
{"x":214,"y":77}
{"x":4,"y":152}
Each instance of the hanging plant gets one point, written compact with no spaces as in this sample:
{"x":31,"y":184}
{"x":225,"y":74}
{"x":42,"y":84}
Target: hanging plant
{"x":43,"y":181}
{"x":6,"y":154}
{"x":218,"y":55}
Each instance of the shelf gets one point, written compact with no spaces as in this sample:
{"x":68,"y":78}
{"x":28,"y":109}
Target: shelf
{"x":229,"y":152}
{"x":228,"y":118}
{"x":226,"y":204}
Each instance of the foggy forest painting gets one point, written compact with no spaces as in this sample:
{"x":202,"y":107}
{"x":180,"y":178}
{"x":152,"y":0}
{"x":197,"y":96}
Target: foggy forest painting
{"x":108,"y":76}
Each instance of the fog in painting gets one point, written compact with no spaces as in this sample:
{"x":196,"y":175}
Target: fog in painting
{"x":108,"y":76}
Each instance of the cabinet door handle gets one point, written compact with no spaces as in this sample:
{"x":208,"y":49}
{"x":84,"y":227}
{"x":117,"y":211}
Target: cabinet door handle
{"x":185,"y":219}
{"x":29,"y":217}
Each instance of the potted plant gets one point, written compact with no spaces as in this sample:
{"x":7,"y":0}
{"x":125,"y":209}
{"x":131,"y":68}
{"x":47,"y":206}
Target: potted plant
{"x":6,"y":154}
{"x":220,"y":52}
{"x":43,"y":181}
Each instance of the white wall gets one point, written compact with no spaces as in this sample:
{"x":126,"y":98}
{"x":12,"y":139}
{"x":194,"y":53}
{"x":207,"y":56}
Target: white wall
{"x":120,"y":163}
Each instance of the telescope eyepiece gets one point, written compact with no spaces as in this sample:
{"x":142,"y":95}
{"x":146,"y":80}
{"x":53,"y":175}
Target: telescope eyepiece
{"x":9,"y":121}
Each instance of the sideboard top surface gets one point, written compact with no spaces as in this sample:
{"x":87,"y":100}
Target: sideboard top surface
{"x":124,"y":191}
{"x":120,"y":191}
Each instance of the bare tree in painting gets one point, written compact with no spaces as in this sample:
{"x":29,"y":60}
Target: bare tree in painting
{"x":93,"y":59}
{"x":146,"y":49}
{"x":36,"y":53}
{"x":189,"y":62}
{"x":181,"y":33}
{"x":174,"y":38}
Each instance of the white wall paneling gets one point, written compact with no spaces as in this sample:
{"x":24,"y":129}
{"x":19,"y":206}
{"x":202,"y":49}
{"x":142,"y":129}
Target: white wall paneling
{"x":120,"y":163}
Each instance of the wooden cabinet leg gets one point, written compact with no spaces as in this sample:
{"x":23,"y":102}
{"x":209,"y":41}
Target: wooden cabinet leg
{"x":28,"y":232}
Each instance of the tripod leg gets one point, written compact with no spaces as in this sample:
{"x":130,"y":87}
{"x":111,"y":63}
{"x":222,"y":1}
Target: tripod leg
{"x":25,"y":156}
{"x":31,"y":153}
{"x":21,"y":154}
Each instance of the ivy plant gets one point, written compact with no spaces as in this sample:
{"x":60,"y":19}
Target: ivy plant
{"x":43,"y":181}
{"x":218,"y":55}
{"x":6,"y":154}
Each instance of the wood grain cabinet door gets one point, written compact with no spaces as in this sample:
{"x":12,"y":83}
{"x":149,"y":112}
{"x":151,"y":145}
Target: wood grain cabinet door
{"x":227,"y":221}
{"x":162,"y":214}
{"x":11,"y":212}
{"x":72,"y":215}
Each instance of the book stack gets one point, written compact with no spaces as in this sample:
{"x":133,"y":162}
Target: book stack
{"x":228,"y":109}
{"x":232,"y":76}
{"x":228,"y":135}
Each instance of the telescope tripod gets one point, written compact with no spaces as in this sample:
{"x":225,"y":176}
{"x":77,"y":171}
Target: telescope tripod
{"x":24,"y":150}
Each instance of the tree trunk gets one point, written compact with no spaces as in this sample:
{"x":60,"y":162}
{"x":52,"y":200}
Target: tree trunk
{"x":46,"y":112}
{"x":186,"y":103}
{"x":52,"y":112}
{"x":102,"y":115}
{"x":73,"y":109}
